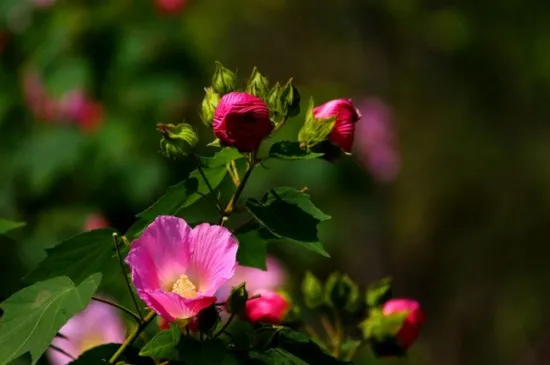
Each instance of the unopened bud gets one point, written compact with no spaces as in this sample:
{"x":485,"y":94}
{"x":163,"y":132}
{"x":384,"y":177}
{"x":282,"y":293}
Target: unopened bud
{"x":258,"y":85}
{"x":177,"y":140}
{"x":312,"y":290}
{"x":208,"y":106}
{"x":341,"y":292}
{"x":236,"y":303}
{"x":224,"y":81}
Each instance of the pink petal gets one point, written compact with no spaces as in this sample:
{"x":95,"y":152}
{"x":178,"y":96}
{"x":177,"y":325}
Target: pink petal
{"x":172,"y":306}
{"x":161,"y":254}
{"x":213,"y":258}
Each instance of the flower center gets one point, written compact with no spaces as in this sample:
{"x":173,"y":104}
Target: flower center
{"x":184,"y":287}
{"x":90,"y":341}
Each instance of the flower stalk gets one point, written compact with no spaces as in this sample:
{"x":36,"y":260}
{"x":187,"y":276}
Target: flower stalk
{"x":130,"y":340}
{"x":121,"y":263}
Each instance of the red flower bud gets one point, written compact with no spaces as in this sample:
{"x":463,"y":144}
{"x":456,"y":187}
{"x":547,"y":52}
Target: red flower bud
{"x":95,"y":221}
{"x":241,"y":121}
{"x":346,"y":117}
{"x":270,"y":308}
{"x":170,"y":6}
{"x":411,"y":325}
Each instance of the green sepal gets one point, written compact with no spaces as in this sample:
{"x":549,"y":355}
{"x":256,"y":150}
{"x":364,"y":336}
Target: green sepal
{"x":379,"y":293}
{"x":314,"y":131}
{"x":290,"y":100}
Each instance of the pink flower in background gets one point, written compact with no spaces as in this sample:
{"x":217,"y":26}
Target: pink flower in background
{"x":346,"y":117}
{"x":271,"y":279}
{"x":410,"y":328}
{"x":170,"y":6}
{"x":98,"y":324}
{"x":43,"y":3}
{"x":241,"y":121}
{"x":271,"y":307}
{"x":78,"y":108}
{"x":177,"y":270}
{"x":95,"y":221}
{"x":38,"y":101}
{"x":376,"y":141}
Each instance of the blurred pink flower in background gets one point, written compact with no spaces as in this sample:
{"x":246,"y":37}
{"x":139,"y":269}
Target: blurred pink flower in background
{"x":98,"y":324}
{"x":95,"y":221}
{"x":170,"y":6}
{"x":43,"y":3}
{"x":271,"y":307}
{"x":76,"y":107}
{"x":376,"y":141}
{"x":37,"y":98}
{"x":271,"y":279}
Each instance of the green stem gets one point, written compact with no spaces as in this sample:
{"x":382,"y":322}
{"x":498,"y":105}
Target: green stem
{"x":201,"y":172}
{"x":229,"y":209}
{"x":130,"y":340}
{"x":224,"y":326}
{"x":134,"y":316}
{"x":121,"y":263}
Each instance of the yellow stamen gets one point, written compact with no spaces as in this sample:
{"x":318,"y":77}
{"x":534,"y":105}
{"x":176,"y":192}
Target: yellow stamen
{"x":184,"y":287}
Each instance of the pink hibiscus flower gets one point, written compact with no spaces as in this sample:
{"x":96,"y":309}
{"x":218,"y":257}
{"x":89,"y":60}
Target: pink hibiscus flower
{"x":177,"y":270}
{"x":98,"y":324}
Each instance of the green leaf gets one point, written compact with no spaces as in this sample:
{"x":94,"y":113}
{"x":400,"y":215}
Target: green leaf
{"x":303,"y":348}
{"x":171,"y":202}
{"x":178,"y":197}
{"x":221,"y":158}
{"x":34,"y":315}
{"x":287,"y":150}
{"x":163,"y":344}
{"x":6,"y":225}
{"x":102,"y":354}
{"x":252,"y":250}
{"x":201,"y":353}
{"x":289,"y":213}
{"x":379,"y":292}
{"x":78,"y":257}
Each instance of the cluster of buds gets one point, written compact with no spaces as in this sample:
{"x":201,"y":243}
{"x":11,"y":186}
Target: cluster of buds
{"x":391,"y":326}
{"x":244,"y":117}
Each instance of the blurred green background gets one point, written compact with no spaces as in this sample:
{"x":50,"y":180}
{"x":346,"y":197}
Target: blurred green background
{"x":464,"y":225}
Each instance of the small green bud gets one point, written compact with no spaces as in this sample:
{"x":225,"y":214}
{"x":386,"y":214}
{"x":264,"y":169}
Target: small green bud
{"x":258,"y":85}
{"x":341,"y":292}
{"x":236,"y":303}
{"x":177,"y":140}
{"x":224,"y":81}
{"x":314,"y":131}
{"x":379,"y":293}
{"x":207,"y":319}
{"x":208,"y":106}
{"x":290,"y":100}
{"x":312,"y":290}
